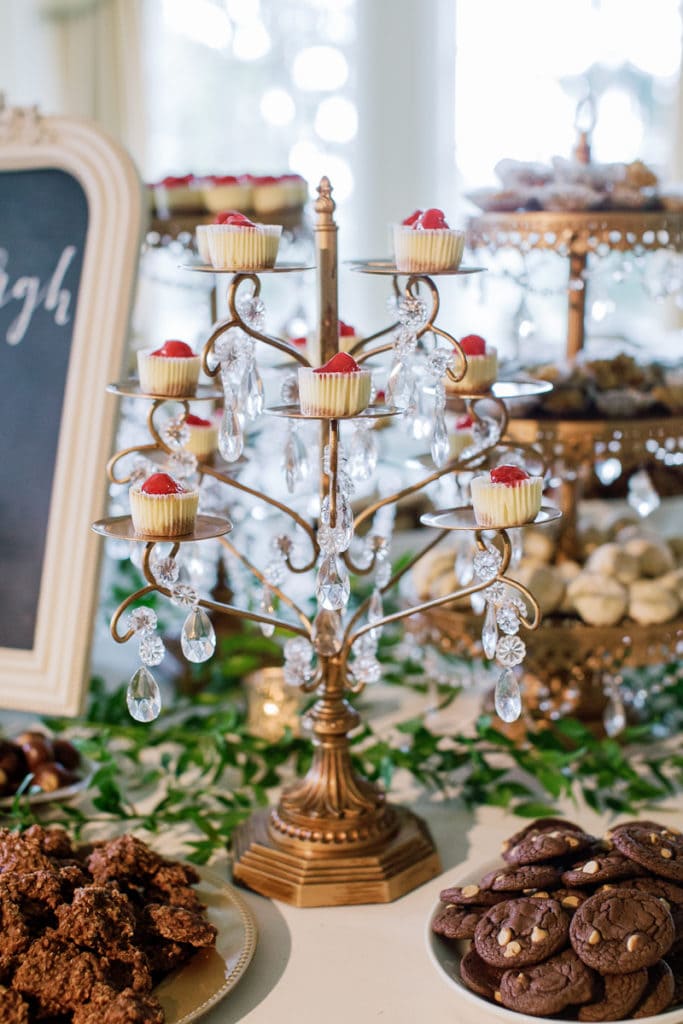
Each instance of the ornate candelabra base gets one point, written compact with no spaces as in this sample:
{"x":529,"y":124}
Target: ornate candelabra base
{"x":310,"y":876}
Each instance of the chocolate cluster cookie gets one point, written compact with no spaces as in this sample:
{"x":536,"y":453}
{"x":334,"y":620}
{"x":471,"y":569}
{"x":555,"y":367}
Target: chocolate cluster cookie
{"x":572,"y":925}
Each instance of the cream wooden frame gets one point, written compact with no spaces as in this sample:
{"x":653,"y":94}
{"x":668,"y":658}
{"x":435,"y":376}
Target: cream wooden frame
{"x":51,"y":678}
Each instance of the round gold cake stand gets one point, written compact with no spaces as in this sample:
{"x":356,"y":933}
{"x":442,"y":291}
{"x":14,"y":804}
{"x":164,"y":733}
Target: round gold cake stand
{"x":580,"y":443}
{"x":567,"y":661}
{"x":576,"y":235}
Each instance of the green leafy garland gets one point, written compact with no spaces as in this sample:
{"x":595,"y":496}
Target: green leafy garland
{"x":200,"y":766}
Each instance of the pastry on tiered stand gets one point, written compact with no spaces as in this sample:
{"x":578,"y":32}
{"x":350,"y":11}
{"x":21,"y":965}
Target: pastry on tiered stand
{"x":424,"y":243}
{"x":339,"y":388}
{"x":507,"y":496}
{"x":170,"y":370}
{"x":482,"y":366}
{"x":163,"y":507}
{"x":235,"y":242}
{"x":203,"y":436}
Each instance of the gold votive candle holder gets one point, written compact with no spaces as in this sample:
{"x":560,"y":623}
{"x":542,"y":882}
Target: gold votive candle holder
{"x":272,"y":704}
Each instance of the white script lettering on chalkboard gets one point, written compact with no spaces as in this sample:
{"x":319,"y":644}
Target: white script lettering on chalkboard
{"x":29,"y":292}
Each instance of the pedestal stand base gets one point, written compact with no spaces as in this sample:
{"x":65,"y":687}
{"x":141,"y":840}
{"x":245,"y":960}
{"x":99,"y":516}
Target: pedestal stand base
{"x":406,"y":861}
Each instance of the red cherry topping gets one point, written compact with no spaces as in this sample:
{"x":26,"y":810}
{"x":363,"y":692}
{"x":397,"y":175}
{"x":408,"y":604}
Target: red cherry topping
{"x":299,"y":342}
{"x":224,"y":179}
{"x":265,"y":179}
{"x":339,"y":363}
{"x":172,"y":182}
{"x":414,"y":217}
{"x":508,"y":475}
{"x":464,"y":423}
{"x":432,"y":220}
{"x":196,"y":421}
{"x":473,"y":345}
{"x":162,"y":483}
{"x":174,"y":350}
{"x":346,"y":330}
{"x":235,"y":219}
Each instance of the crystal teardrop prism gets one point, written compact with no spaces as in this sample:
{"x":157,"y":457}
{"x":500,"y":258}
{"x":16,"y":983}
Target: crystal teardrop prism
{"x":230,"y":439}
{"x":266,"y":607}
{"x":375,"y":612}
{"x":332,"y":586}
{"x":440,"y":447}
{"x":253,"y":404}
{"x":327,"y":634}
{"x":143,"y":697}
{"x":198,"y":637}
{"x":614,"y":715}
{"x":489,"y":633}
{"x":507,"y":698}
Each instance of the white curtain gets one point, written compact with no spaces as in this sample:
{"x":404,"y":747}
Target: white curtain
{"x":80,"y":58}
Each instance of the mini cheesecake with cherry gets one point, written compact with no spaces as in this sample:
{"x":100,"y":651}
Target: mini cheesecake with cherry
{"x":163,"y":507}
{"x":482,"y":366}
{"x":506,"y":496}
{"x":169,"y":371}
{"x":234,"y":242}
{"x":425,"y":243}
{"x":339,"y":388}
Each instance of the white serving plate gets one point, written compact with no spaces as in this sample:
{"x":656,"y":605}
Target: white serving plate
{"x":446,"y":957}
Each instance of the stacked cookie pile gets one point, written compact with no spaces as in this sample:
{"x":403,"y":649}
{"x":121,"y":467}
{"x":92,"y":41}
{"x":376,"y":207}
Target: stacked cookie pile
{"x":574,"y":923}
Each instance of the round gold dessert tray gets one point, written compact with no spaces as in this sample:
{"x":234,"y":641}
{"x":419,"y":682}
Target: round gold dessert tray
{"x":577,"y":235}
{"x":131,"y":389}
{"x":567,"y":660}
{"x":389,"y":269}
{"x":121,"y":528}
{"x":279,"y":268}
{"x":578,"y":231}
{"x":372,"y":412}
{"x":463,"y":519}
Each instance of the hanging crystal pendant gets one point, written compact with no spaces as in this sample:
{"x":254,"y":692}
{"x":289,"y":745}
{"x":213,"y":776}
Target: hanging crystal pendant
{"x":332,"y":586}
{"x":363,"y":451}
{"x":198,"y":637}
{"x":253,"y":403}
{"x":266,"y":607}
{"x":375,"y":612}
{"x":230,"y":439}
{"x":642,"y":494}
{"x":440,"y":448}
{"x":295,"y":460}
{"x":327,"y":634}
{"x":143,"y":697}
{"x":489,"y":633}
{"x":507,"y":698}
{"x":614,"y":715}
{"x":399,"y":386}
{"x":608,"y":470}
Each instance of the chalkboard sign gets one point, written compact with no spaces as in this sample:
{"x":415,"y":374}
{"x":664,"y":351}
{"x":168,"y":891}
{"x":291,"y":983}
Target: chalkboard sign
{"x":43,"y":227}
{"x":70,"y":220}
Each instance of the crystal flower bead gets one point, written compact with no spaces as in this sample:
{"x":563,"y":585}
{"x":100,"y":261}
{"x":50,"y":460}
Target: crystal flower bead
{"x":175,"y":432}
{"x":508,"y":619}
{"x":510,"y":651}
{"x":182,"y":465}
{"x":298,"y":649}
{"x":165,"y":571}
{"x":486,"y":564}
{"x":142,"y":620}
{"x":184,"y":596}
{"x":411,"y":312}
{"x":151,"y":649}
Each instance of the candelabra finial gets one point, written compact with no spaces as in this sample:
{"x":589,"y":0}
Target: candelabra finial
{"x":325,"y":204}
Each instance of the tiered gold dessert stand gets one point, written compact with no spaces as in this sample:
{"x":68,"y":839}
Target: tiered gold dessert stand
{"x":333,"y":837}
{"x":568,"y":660}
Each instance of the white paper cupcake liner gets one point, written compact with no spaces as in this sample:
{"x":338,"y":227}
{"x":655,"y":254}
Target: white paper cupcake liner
{"x":202,"y":239}
{"x":235,"y":248}
{"x":163,"y":515}
{"x":418,"y":251}
{"x":333,"y":394}
{"x":506,"y":505}
{"x":168,"y":375}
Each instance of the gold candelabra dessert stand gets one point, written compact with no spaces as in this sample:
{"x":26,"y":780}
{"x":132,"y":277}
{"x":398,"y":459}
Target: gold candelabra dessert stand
{"x":333,"y":838}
